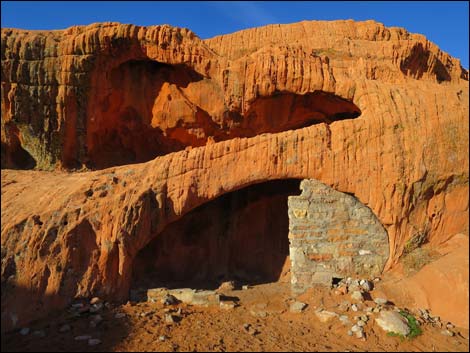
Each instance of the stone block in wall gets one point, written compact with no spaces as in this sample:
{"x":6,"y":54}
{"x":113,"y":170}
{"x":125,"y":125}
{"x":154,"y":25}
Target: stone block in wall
{"x":332,"y":234}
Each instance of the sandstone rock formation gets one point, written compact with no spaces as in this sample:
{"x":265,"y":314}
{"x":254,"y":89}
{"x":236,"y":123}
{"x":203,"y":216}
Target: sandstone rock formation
{"x":109,"y":94}
{"x":372,"y":111}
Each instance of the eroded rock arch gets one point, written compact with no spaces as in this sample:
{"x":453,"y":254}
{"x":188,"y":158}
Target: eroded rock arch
{"x":240,"y":235}
{"x":254,"y":233}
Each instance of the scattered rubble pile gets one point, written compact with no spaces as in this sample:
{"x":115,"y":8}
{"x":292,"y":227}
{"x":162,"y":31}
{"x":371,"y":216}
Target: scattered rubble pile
{"x":357,"y":308}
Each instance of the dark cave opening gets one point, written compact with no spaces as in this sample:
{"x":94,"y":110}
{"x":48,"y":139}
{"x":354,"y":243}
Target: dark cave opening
{"x":241,"y":236}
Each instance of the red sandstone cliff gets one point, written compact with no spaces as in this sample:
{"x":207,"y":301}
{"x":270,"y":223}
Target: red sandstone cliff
{"x":373,"y":111}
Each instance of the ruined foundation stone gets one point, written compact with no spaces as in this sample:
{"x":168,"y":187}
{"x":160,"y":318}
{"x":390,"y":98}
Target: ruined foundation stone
{"x":332,"y":234}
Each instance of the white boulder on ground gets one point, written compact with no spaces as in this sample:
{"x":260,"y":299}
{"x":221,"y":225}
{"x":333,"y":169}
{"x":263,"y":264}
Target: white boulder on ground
{"x":391,"y":321}
{"x":380,"y":301}
{"x":297,"y":307}
{"x":357,"y":295}
{"x":325,"y":316}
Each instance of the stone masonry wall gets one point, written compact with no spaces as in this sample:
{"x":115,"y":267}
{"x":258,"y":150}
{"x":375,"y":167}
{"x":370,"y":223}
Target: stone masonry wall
{"x":332,"y":234}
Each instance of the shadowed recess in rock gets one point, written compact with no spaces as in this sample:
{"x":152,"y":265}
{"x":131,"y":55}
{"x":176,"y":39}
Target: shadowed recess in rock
{"x":121,"y":126}
{"x":287,"y":111}
{"x":15,"y":156}
{"x":146,"y":109}
{"x":419,"y":56}
{"x":242,"y":235}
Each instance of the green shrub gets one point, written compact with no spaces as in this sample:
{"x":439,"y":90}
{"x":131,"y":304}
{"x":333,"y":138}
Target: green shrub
{"x":415,"y":330}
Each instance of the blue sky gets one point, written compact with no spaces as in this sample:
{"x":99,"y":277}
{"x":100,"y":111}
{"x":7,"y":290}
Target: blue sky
{"x":443,"y":22}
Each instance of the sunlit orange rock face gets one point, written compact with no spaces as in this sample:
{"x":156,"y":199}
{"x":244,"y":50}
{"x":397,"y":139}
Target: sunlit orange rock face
{"x":373,"y":111}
